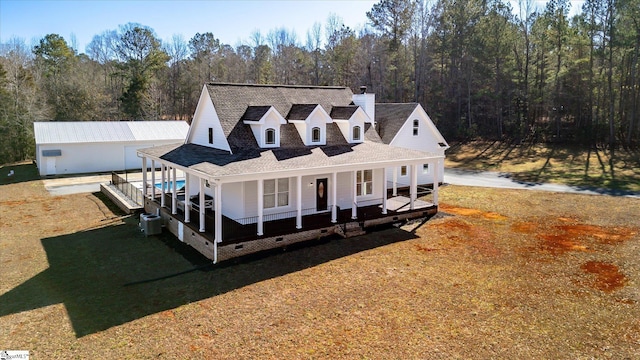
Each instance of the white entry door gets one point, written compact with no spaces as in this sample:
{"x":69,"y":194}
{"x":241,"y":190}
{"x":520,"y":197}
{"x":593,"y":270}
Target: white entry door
{"x":51,"y":165}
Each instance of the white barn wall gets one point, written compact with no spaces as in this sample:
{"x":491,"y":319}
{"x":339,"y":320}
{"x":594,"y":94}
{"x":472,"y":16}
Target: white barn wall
{"x":84,"y":158}
{"x":78,"y":158}
{"x":100,"y":146}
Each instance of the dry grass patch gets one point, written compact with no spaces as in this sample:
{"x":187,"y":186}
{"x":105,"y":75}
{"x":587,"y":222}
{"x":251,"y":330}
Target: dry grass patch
{"x":477,"y":281}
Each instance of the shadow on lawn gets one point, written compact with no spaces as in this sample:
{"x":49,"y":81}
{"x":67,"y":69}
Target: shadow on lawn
{"x":570,"y":165}
{"x":22,"y":172}
{"x":88,"y":272}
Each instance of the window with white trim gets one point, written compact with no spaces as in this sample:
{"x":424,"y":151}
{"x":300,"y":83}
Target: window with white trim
{"x":270,"y":136}
{"x":425,"y":168}
{"x":403,"y":171}
{"x":315,"y":134}
{"x":276,"y":193}
{"x":356,"y":133}
{"x":364,"y":182}
{"x":416,"y":126}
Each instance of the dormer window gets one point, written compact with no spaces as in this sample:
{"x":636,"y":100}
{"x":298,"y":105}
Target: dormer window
{"x":356,"y":133}
{"x":350,"y":120}
{"x":265,"y":122}
{"x":270,"y":136}
{"x":315,"y":134}
{"x":416,"y":126}
{"x":310,"y":120}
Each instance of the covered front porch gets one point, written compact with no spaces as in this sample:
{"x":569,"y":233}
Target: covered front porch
{"x":205,"y":211}
{"x":241,"y":239}
{"x":240,"y":230}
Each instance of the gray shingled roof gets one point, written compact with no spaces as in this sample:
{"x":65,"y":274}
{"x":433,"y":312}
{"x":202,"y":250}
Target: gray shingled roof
{"x":370,"y":134}
{"x":343,"y":112}
{"x":300,"y":111}
{"x":390,"y":117}
{"x":219,"y":163}
{"x":255,"y":113}
{"x":231,"y":102}
{"x":237,"y":102}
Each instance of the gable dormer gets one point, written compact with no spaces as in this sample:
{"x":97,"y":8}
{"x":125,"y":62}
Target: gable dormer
{"x":350,"y":120}
{"x":265,"y":124}
{"x":311,"y":122}
{"x":206,"y":129}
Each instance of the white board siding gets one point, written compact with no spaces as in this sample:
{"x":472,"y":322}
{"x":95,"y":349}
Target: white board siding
{"x":367,"y":102}
{"x":423,"y":179}
{"x":343,"y":196}
{"x":251,"y":200}
{"x":346,"y":126}
{"x":206,"y":117}
{"x":427,"y":140}
{"x":233,"y":205}
{"x":272,"y":120}
{"x":318,"y":118}
{"x":345,"y":190}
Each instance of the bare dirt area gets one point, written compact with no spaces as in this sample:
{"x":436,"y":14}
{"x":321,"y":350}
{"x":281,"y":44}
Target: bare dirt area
{"x":496,"y":274}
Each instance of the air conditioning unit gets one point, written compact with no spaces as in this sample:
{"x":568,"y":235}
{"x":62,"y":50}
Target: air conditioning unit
{"x":143,"y":217}
{"x":151,"y":225}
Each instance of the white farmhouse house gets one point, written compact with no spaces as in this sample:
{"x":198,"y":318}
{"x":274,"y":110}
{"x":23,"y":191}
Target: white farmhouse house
{"x":270,"y":165}
{"x":72,"y":147}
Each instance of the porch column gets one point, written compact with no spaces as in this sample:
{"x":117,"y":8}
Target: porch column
{"x":260,"y":206}
{"x":384,"y":191}
{"x":163,"y":179}
{"x":201,"y":205}
{"x":354,"y":203}
{"x":153,"y":179}
{"x":174,"y":196}
{"x":334,"y":197}
{"x":144,"y":177}
{"x":217,"y":204}
{"x":414,"y":186}
{"x":436,"y":169}
{"x":299,"y":202}
{"x":395,"y":181}
{"x":187,"y":202}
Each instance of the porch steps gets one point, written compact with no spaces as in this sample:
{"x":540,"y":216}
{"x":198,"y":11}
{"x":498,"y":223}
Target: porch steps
{"x":351,"y":229}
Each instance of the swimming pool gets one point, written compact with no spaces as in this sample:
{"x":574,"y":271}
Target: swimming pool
{"x":168,"y":185}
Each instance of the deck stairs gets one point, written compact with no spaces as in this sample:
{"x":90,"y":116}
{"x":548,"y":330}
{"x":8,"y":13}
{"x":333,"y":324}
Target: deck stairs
{"x":350,"y":229}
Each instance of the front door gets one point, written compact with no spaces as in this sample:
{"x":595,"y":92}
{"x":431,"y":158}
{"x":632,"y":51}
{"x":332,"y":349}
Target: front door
{"x":321,"y":194}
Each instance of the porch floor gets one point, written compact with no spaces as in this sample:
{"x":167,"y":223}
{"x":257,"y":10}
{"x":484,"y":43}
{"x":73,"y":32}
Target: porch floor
{"x":234,"y":232}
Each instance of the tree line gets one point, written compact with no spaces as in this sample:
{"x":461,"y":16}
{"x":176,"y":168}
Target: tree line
{"x":480,"y":69}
